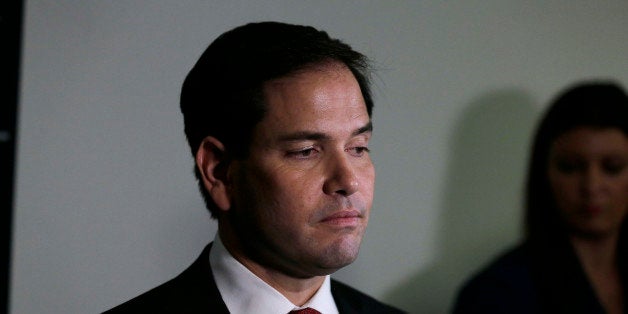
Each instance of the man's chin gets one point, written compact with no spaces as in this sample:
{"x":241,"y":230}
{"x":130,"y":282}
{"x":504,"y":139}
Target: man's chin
{"x":328,"y":261}
{"x":340,"y":254}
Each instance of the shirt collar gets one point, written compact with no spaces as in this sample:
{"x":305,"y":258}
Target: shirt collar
{"x":244,"y":292}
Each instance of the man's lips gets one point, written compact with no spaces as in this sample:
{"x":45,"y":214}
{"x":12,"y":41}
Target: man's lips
{"x":343,"y":217}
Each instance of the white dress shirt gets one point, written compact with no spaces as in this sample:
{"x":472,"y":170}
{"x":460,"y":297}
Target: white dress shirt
{"x":243,"y":292}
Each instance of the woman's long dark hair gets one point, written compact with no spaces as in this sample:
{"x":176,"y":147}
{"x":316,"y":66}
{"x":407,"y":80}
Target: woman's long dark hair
{"x":597,"y":104}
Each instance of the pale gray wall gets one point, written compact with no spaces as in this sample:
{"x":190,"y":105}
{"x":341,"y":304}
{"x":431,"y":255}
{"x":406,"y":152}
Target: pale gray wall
{"x":107,"y":206}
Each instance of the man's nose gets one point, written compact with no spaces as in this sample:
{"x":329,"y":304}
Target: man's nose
{"x":342,"y":178}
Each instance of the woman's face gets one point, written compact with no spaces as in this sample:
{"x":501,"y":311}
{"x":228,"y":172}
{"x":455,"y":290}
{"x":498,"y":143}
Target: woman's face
{"x":588,"y":174}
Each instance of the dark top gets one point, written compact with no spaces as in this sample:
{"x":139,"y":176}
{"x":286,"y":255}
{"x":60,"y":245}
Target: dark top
{"x":530,"y":278}
{"x":195,"y":291}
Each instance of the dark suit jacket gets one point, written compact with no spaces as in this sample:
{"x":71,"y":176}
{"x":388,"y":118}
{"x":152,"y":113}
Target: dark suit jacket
{"x":194,"y":291}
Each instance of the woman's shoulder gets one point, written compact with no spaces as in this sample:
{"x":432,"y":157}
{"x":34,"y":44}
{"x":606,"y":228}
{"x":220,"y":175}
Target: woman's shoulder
{"x":504,"y":286}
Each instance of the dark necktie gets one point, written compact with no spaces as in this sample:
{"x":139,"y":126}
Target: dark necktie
{"x":307,"y":310}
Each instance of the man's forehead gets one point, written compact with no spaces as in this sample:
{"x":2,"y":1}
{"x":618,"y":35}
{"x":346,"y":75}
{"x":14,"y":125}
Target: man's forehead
{"x":330,"y":69}
{"x":288,"y":136}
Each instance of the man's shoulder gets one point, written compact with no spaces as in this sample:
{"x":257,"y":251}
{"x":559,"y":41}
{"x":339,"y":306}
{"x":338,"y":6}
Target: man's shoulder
{"x":350,"y":300}
{"x":166,"y":298}
{"x":193,"y":291}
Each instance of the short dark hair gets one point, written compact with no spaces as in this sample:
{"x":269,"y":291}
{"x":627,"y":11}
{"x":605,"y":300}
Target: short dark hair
{"x":597,"y":104}
{"x":222,"y":94}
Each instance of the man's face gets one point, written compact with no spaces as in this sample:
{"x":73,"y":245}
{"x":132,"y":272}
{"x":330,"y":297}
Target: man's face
{"x":301,"y":199}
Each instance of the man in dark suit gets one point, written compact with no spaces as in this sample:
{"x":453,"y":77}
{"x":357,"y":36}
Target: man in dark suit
{"x":278,"y":118}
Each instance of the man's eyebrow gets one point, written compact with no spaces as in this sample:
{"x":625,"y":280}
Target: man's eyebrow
{"x":365,"y":129}
{"x":318,"y":136}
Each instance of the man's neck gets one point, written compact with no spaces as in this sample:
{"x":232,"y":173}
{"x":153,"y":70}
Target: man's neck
{"x":296,"y":289}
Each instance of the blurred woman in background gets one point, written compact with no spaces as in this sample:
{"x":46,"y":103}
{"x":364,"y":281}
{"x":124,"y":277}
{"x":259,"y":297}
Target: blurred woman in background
{"x":574,"y":258}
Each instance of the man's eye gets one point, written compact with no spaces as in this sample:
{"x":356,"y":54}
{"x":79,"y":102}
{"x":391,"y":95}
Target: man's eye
{"x":303,"y":153}
{"x":359,"y":151}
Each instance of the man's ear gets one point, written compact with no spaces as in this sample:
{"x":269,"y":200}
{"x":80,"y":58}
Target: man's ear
{"x":212,"y":163}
